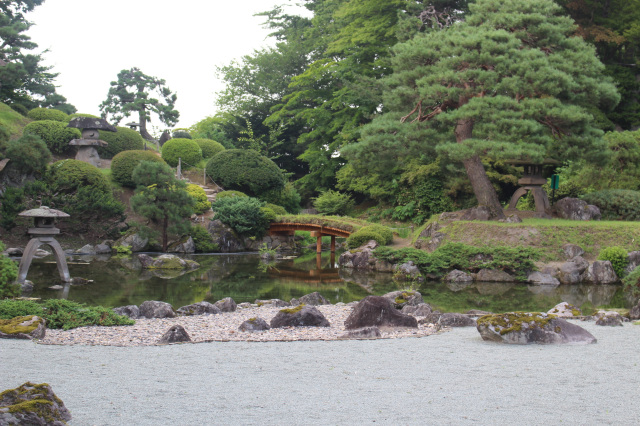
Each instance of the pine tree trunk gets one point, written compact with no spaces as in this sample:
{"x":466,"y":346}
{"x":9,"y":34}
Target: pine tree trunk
{"x":482,"y":188}
{"x":165,"y":238}
{"x":143,"y":126}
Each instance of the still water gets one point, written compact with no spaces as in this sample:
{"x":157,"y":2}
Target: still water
{"x":119,"y":281}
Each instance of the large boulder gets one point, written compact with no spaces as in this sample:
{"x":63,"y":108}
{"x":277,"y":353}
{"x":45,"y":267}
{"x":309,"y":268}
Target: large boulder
{"x":300,"y":316}
{"x":401,"y":298}
{"x":254,"y":324}
{"x":531,"y":327}
{"x":226,"y":305}
{"x":421,"y":310}
{"x":457,"y":276}
{"x":450,"y":319}
{"x":312,"y":299}
{"x":135,"y":241}
{"x":576,"y":209}
{"x":600,"y":272}
{"x":362,"y":258}
{"x":24,"y":327}
{"x":540,"y":278}
{"x":156,"y":309}
{"x":176,"y":334}
{"x":571,"y":271}
{"x":408,"y":271}
{"x":167,"y":261}
{"x":32,"y":404}
{"x":493,"y":275}
{"x":200,"y":308}
{"x":226,"y":239}
{"x":185,"y":245}
{"x":131,"y":311}
{"x":377,"y":311}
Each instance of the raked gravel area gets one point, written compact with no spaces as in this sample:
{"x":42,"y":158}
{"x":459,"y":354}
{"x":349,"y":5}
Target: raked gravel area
{"x":449,"y":378}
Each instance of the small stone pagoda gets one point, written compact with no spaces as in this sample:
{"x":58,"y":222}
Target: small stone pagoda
{"x":43,"y":233}
{"x":87,"y":151}
{"x":532,"y":180}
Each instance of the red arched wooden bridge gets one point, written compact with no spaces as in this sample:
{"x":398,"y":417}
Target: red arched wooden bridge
{"x":318,"y":231}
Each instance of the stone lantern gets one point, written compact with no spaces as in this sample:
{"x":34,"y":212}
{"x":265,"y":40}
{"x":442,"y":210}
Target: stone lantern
{"x":87,"y":151}
{"x":43,"y":233}
{"x":532,"y":180}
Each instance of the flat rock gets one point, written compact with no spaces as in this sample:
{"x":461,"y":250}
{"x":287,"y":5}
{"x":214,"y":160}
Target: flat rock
{"x":608,"y":318}
{"x":377,"y":311}
{"x":254,"y":324}
{"x":565,"y":310}
{"x":540,"y":278}
{"x":300,"y":316}
{"x":176,"y":334}
{"x":167,"y":261}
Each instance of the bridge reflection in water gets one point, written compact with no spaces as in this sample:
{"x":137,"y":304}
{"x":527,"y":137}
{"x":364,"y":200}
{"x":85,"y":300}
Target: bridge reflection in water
{"x":327,"y":275}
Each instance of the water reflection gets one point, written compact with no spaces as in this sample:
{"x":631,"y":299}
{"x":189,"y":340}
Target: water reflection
{"x":120,"y":281}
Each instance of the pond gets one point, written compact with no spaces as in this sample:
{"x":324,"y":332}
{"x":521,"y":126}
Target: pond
{"x":118,"y":281}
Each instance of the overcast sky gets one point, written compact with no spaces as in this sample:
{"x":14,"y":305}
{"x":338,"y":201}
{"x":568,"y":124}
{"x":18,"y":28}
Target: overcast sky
{"x":181,"y":42}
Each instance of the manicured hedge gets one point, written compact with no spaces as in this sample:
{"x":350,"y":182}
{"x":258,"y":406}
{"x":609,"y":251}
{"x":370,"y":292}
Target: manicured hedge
{"x":29,"y":154}
{"x":616,"y":204}
{"x":123,"y":164}
{"x":125,"y":139}
{"x":187,"y":149}
{"x":48,"y":114}
{"x":202,"y":204}
{"x":209,"y":147}
{"x":246,"y":171}
{"x":67,"y":176}
{"x":54,"y":133}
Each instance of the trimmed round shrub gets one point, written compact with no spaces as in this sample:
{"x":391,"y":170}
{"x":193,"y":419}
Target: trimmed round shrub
{"x":123,"y":164}
{"x":200,"y":197}
{"x":69,"y":175}
{"x":186,"y":149}
{"x":616,"y":204}
{"x":80,"y":114}
{"x":48,"y":114}
{"x":54,"y":133}
{"x":362,"y":236}
{"x":246,"y":171}
{"x":333,"y":203}
{"x":279,"y":210}
{"x":182,"y":134}
{"x":385,"y":232}
{"x":229,"y":194}
{"x":618,"y":258}
{"x":269,"y":215}
{"x":243,"y":214}
{"x":125,"y":139}
{"x":209,"y":147}
{"x":29,"y":154}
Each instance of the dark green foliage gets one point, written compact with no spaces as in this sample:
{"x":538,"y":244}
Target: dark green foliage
{"x":162,"y":198}
{"x":288,"y":198}
{"x":245,"y":171}
{"x":269,"y":214}
{"x":10,"y":308}
{"x":203,"y":241}
{"x":65,"y":314}
{"x":124,"y":139}
{"x":417,"y":202}
{"x":48,"y":114}
{"x":181,"y":134}
{"x":70,"y":175}
{"x":123,"y":164}
{"x":333,"y":203}
{"x":29,"y":154}
{"x":616,"y":204}
{"x":186,"y":149}
{"x":8,"y":275}
{"x":209,"y":147}
{"x":518,"y":261}
{"x":229,"y":194}
{"x":80,"y":114}
{"x":362,"y":236}
{"x":243,"y":214}
{"x":279,"y":210}
{"x":12,"y":204}
{"x":618,"y":258}
{"x":55,"y":134}
{"x":632,"y":281}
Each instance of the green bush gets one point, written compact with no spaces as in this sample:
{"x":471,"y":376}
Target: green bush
{"x":12,"y":204}
{"x":229,"y":194}
{"x":618,"y":258}
{"x":632,"y":281}
{"x":123,"y":164}
{"x":48,"y":114}
{"x":55,"y":134}
{"x":279,"y":210}
{"x":209,"y":147}
{"x":362,"y":236}
{"x":203,"y":241}
{"x":8,"y":275}
{"x":243,"y":214}
{"x":11,"y":308}
{"x":202,"y":204}
{"x":29,"y":154}
{"x":385,"y":232}
{"x":186,"y":149}
{"x":333,"y":203}
{"x":181,"y":134}
{"x":125,"y":139}
{"x":80,"y":114}
{"x":288,"y":198}
{"x":616,"y":204}
{"x":246,"y":171}
{"x":269,"y":215}
{"x":65,"y":314}
{"x":69,"y":175}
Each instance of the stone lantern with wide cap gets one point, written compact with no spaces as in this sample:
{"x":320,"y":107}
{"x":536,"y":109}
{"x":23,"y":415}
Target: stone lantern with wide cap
{"x":532,"y":180}
{"x":87,"y":151}
{"x":43,"y":233}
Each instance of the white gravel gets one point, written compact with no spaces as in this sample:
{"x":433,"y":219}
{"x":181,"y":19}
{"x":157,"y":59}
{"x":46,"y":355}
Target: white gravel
{"x":451,"y":378}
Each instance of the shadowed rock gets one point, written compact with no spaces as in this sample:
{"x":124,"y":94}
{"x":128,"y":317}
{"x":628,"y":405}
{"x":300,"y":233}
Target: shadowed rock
{"x":300,"y":316}
{"x":130,"y":311}
{"x":402,"y":298}
{"x":608,"y":318}
{"x":156,"y":309}
{"x":254,"y":324}
{"x":176,"y":334}
{"x":200,"y":308}
{"x":377,"y":311}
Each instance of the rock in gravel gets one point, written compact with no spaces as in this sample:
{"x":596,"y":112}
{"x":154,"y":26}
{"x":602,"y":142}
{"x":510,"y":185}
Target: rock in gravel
{"x":176,"y":334}
{"x":565,"y":310}
{"x":363,"y":333}
{"x":300,"y":316}
{"x":531,"y":327}
{"x":254,"y":324}
{"x":32,"y":404}
{"x":200,"y":308}
{"x":226,"y":305}
{"x":131,"y":311}
{"x":401,"y":298}
{"x":312,"y":299}
{"x":24,"y":327}
{"x":378,"y":311}
{"x":156,"y":309}
{"x":608,"y":318}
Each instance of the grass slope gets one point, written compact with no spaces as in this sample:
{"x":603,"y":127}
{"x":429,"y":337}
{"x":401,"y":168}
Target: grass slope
{"x":12,"y":121}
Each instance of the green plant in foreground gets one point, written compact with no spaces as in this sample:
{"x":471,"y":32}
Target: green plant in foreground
{"x":632,"y":281}
{"x":617,"y":256}
{"x":8,"y":275}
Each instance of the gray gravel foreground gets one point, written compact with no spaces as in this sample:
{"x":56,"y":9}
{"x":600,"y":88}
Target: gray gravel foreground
{"x":451,"y":378}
